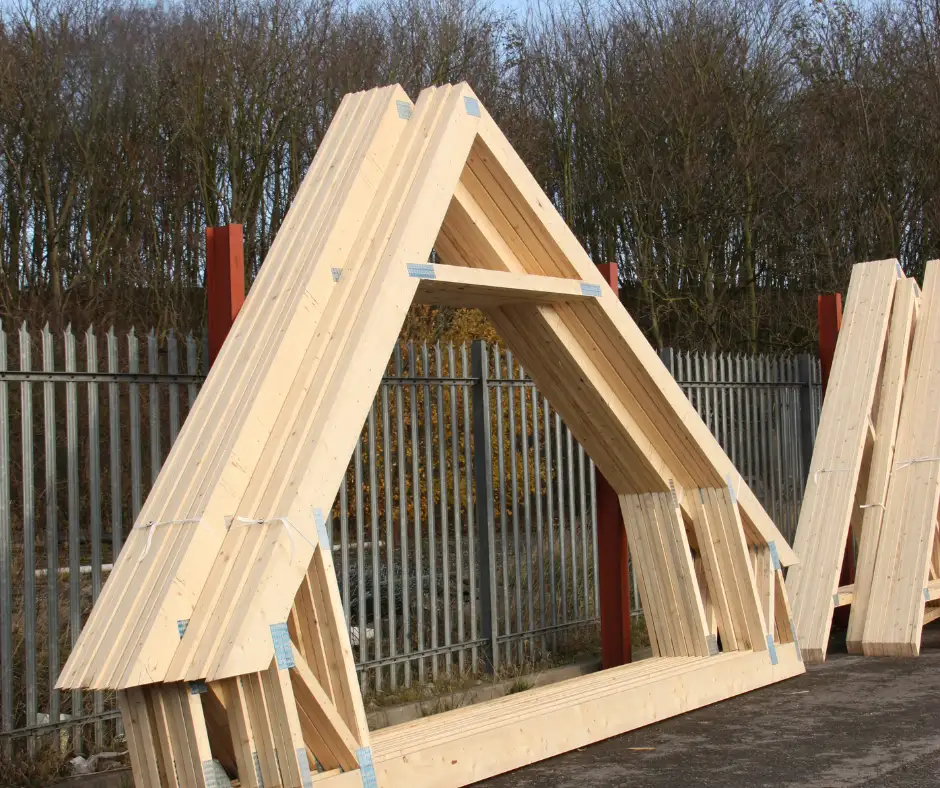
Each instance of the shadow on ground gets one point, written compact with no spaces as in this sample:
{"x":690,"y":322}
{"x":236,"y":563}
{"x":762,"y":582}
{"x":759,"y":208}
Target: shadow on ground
{"x":854,"y":722}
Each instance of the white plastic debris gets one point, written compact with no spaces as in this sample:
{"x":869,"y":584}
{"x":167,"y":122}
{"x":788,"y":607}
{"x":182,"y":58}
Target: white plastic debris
{"x":90,"y":765}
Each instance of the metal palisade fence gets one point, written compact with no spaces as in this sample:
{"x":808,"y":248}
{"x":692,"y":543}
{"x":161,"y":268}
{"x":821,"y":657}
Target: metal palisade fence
{"x":465,"y":530}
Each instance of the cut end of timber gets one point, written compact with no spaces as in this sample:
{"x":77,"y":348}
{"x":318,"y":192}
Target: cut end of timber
{"x":854,"y":647}
{"x":891,"y":649}
{"x":813,"y":656}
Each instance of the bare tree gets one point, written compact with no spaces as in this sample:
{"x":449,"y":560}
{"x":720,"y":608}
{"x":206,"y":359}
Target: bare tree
{"x":733,"y":156}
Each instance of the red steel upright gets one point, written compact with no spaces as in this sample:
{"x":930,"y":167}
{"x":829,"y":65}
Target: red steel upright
{"x":612,"y":554}
{"x":225,"y":281}
{"x":829,"y":317}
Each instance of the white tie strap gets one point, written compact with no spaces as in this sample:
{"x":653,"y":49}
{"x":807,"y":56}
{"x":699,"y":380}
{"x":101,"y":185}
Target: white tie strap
{"x":291,"y":529}
{"x":151,"y":524}
{"x":898,"y":466}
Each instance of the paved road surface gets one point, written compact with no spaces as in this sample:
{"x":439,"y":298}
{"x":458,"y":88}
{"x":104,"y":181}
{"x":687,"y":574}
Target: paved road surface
{"x":854,"y":722}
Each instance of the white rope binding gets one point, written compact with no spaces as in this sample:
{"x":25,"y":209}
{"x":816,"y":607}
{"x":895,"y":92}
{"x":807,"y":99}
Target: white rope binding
{"x":898,"y":466}
{"x":151,"y":524}
{"x":291,"y":529}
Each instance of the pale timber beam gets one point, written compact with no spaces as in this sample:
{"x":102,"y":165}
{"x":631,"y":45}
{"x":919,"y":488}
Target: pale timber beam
{"x":838,"y":456}
{"x":448,"y":285}
{"x":897,"y":355}
{"x":895,"y":616}
{"x":844,"y":596}
{"x":322,"y":714}
{"x":463,"y":746}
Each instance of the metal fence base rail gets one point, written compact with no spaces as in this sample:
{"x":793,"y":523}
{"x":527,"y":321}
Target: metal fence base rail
{"x":428,"y":592}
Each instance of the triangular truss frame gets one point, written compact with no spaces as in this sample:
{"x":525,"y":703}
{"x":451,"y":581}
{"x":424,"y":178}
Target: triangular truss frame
{"x":221,"y":625}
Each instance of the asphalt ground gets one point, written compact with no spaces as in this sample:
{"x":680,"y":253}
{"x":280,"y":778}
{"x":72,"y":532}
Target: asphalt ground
{"x":852,"y":722}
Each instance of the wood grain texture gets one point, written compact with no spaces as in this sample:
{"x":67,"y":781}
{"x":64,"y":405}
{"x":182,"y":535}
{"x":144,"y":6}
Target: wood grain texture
{"x":460,"y":747}
{"x":829,"y":500}
{"x":890,"y":389}
{"x":269,"y":440}
{"x":896,"y":606}
{"x":156,"y":585}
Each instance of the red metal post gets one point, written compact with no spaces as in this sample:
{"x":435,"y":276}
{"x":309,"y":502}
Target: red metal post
{"x":225,"y":281}
{"x":829,"y":318}
{"x":612,"y":555}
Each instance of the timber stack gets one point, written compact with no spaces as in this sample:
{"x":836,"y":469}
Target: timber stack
{"x":221,"y":627}
{"x":876,"y":471}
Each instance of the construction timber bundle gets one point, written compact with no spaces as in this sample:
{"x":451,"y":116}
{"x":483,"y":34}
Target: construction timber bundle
{"x":876,"y":470}
{"x":221,"y":626}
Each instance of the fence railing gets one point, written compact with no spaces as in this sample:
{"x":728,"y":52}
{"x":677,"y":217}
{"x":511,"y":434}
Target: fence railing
{"x":431,"y":582}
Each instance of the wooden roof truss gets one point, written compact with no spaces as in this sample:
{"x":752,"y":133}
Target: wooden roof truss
{"x":221,"y":625}
{"x":876,"y":470}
